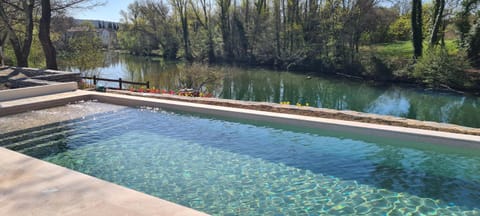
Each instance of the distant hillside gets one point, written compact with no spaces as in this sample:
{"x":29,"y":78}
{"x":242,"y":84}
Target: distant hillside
{"x":99,"y":24}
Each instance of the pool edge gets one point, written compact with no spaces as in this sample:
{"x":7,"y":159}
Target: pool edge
{"x":369,"y":129}
{"x":31,"y":186}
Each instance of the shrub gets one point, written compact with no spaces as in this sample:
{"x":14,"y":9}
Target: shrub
{"x":376,"y":67}
{"x":437,"y":68}
{"x":401,"y":29}
{"x":199,"y":77}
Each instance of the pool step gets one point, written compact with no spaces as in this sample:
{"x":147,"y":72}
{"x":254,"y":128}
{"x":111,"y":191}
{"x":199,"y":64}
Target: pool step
{"x":32,"y":132}
{"x":53,"y":129}
{"x":67,"y":132}
{"x":55,"y":133}
{"x":42,"y":149}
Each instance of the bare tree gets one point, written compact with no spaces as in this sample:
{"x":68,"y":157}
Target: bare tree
{"x":18,"y":19}
{"x":205,"y":21}
{"x":181,"y":6}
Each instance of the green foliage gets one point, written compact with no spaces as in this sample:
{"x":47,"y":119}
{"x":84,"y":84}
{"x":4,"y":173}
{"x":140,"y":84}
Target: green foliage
{"x":401,"y":29}
{"x":36,"y":59}
{"x":147,"y":28}
{"x":133,"y":42}
{"x":437,"y":68}
{"x":84,"y":50}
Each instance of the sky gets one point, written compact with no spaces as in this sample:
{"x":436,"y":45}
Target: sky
{"x":109,"y":12}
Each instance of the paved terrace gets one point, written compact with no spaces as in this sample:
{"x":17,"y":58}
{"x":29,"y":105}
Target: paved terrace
{"x":33,"y":187}
{"x":18,"y":77}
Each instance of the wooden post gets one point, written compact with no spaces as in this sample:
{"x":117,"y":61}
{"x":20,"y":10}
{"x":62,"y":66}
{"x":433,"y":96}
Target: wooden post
{"x":148,"y":84}
{"x":120,"y":83}
{"x":94,"y":80}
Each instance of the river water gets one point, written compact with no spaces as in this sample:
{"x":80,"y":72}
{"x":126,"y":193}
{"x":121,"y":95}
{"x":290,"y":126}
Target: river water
{"x":280,"y":86}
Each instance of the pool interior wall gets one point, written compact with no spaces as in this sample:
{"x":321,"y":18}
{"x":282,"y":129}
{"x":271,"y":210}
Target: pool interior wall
{"x":230,"y":169}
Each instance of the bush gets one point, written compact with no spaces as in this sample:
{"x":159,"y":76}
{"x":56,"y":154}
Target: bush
{"x":401,"y":29}
{"x":199,"y":77}
{"x":377,"y":68}
{"x":437,"y":68}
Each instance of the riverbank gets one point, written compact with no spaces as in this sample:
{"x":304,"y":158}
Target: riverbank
{"x":379,"y":65}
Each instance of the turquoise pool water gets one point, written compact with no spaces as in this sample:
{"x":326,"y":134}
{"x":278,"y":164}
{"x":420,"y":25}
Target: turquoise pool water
{"x":251,"y":168}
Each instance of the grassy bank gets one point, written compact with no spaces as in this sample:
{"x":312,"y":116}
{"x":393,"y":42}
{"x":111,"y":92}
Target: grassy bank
{"x":403,"y":49}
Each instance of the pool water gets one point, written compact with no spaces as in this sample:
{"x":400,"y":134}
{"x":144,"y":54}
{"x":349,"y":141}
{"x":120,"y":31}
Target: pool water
{"x":225,"y":167}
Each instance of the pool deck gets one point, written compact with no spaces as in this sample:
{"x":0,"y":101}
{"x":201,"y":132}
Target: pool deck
{"x":32,"y":187}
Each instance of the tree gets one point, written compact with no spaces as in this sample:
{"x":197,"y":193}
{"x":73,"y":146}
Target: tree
{"x":437,"y":21}
{"x":14,"y":15}
{"x":225,"y":27}
{"x":148,"y":26}
{"x":84,"y":49}
{"x":400,"y":29}
{"x":469,"y":33}
{"x":181,"y":7}
{"x":19,"y":21}
{"x":45,"y":23}
{"x":417,"y":25}
{"x":206,"y":22}
{"x":44,"y":35}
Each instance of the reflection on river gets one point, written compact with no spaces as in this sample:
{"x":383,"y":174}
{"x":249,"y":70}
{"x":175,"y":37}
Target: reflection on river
{"x":327,"y":92}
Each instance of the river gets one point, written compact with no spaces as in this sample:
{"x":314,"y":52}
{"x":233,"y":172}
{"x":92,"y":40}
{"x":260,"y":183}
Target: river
{"x":328,"y":92}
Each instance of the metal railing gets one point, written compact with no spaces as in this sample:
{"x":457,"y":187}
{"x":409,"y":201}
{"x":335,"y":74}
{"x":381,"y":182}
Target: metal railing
{"x":119,"y":81}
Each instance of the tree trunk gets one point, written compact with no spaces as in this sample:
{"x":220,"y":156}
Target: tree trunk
{"x":211,"y":47}
{"x":437,"y":22}
{"x":2,"y":58}
{"x":44,"y":36}
{"x":186,"y":37}
{"x":417,"y":28}
{"x":277,"y":17}
{"x":3,"y":38}
{"x":21,"y":49}
{"x":225,"y":27}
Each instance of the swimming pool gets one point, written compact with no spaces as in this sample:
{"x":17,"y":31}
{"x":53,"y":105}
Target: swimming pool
{"x":227,"y":167}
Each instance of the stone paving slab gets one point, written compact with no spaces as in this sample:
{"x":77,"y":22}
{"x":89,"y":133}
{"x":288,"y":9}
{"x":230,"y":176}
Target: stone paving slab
{"x":33,"y":187}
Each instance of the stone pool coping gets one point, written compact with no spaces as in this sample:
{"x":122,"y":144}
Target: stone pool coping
{"x":30,"y":186}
